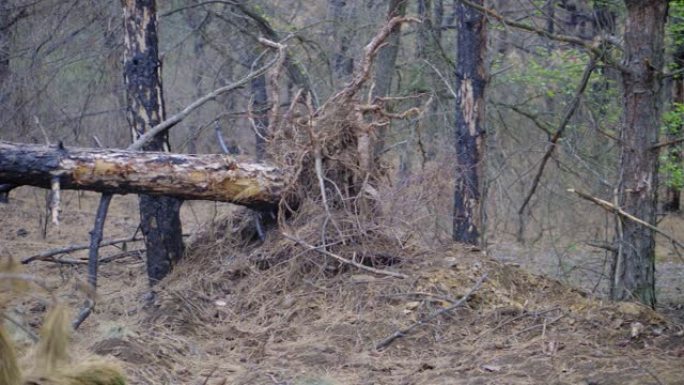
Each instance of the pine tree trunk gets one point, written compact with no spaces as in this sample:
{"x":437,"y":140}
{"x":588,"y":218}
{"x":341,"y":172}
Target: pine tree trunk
{"x":159,"y":216}
{"x":634,"y":267}
{"x":470,"y":130}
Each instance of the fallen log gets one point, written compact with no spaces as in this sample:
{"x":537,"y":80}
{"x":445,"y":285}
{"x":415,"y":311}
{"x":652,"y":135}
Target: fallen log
{"x":191,"y":177}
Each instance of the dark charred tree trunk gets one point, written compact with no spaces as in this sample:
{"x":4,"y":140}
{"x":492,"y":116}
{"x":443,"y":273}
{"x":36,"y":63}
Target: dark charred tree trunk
{"x":633,"y":275}
{"x":470,"y":131}
{"x":385,"y":64}
{"x":159,"y":216}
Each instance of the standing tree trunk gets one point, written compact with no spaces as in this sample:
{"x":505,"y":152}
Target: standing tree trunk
{"x":159,"y":216}
{"x":385,"y":63}
{"x":470,"y":133}
{"x":633,"y":275}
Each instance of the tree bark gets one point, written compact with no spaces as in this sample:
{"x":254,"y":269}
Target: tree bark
{"x":634,"y":265}
{"x":470,"y":131}
{"x":159,"y":216}
{"x":200,"y":177}
{"x":385,"y":63}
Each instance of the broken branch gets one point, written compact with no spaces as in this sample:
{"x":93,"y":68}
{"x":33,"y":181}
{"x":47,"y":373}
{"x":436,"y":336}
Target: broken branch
{"x":403,"y":332}
{"x":617,"y":210}
{"x":345,"y":260}
{"x":49,"y":254}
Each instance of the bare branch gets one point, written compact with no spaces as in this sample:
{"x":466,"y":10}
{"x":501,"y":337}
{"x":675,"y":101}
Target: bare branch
{"x":49,"y":254}
{"x":345,"y":260}
{"x":610,"y":207}
{"x":403,"y":332}
{"x":559,"y":132}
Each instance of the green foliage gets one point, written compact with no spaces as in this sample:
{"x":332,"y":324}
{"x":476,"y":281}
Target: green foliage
{"x":555,"y":75}
{"x":670,"y":160}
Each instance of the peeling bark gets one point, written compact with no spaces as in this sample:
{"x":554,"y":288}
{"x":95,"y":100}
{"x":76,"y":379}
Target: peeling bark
{"x":200,"y":177}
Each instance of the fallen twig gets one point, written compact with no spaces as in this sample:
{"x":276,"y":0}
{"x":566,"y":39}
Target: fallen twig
{"x":49,"y":254}
{"x":403,"y":332}
{"x":110,"y":258}
{"x":345,"y":260}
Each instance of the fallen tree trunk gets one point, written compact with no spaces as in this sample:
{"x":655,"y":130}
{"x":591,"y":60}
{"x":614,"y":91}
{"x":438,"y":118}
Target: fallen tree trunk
{"x":191,"y":177}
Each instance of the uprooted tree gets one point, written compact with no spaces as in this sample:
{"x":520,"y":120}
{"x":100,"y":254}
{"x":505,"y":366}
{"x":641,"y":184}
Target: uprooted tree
{"x":323,"y":161}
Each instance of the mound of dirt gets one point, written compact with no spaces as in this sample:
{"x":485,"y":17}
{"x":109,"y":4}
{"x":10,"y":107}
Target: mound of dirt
{"x":306,"y":320}
{"x":241,"y":311}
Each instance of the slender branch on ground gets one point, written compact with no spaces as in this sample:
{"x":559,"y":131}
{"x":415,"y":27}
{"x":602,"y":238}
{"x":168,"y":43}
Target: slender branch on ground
{"x":95,"y":239}
{"x":345,"y":260}
{"x":49,"y":254}
{"x":557,"y":135}
{"x":404,"y":332}
{"x":110,"y":258}
{"x":610,"y":207}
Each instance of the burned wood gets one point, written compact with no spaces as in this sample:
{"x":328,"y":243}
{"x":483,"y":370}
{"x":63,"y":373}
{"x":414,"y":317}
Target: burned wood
{"x":93,"y":261}
{"x":5,"y":188}
{"x":50,"y":254}
{"x":110,"y":258}
{"x":192,"y":177}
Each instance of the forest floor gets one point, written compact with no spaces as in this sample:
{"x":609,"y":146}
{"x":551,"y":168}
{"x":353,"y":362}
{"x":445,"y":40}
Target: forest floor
{"x":234,"y":316}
